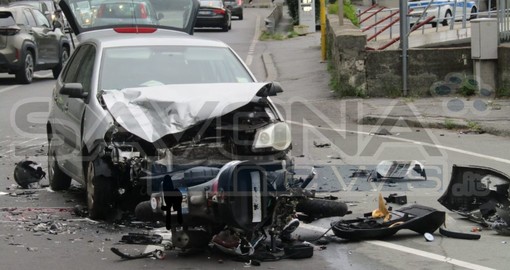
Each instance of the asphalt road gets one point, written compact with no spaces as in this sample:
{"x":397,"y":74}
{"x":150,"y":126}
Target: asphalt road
{"x":82,"y":244}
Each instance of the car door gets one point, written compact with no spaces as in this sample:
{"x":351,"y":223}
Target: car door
{"x":47,"y":43}
{"x":69,"y":111}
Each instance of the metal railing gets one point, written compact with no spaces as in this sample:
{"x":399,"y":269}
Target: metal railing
{"x":384,"y":20}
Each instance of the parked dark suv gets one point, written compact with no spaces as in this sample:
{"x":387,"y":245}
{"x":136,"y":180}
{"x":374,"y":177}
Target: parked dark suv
{"x":29,"y":43}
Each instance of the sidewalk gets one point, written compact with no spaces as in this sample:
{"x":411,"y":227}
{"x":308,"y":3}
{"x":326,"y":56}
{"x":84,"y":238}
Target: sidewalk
{"x":296,"y":64}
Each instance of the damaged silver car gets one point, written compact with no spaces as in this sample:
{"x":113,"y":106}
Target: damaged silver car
{"x":136,"y":102}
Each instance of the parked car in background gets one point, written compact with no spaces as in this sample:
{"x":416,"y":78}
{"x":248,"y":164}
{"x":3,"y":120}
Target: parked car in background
{"x":28,"y":43}
{"x":236,"y":7}
{"x":213,"y":13}
{"x":46,"y":7}
{"x":442,"y":10}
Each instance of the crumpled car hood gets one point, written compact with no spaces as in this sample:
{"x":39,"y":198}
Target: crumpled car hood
{"x":153,"y":112}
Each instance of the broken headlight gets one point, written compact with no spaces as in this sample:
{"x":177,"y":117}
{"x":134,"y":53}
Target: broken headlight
{"x":276,"y":136}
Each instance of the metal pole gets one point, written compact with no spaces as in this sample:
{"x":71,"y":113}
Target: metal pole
{"x":404,"y":44}
{"x":452,"y":21}
{"x":464,"y":14}
{"x":323,"y":29}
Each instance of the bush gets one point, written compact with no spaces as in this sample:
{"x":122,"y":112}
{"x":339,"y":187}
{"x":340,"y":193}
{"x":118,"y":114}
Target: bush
{"x":349,"y":10}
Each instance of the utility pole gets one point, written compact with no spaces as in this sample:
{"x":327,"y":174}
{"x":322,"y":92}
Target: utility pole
{"x":404,"y":43}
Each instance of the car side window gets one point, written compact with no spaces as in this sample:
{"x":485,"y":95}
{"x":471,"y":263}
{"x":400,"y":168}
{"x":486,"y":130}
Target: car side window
{"x":29,"y":17}
{"x":40,"y":19}
{"x":79,"y":68}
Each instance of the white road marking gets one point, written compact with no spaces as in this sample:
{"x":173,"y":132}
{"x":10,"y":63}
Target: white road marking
{"x":448,"y":148}
{"x":417,"y":252}
{"x":251,"y":49}
{"x":9,"y":88}
{"x":429,"y":255}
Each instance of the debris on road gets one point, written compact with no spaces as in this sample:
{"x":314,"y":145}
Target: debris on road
{"x":382,"y":223}
{"x":458,"y":235}
{"x":395,"y":198}
{"x":321,"y":144}
{"x":142,"y":239}
{"x":27,"y":174}
{"x":479,"y":193}
{"x":382,"y":132}
{"x":395,"y":169}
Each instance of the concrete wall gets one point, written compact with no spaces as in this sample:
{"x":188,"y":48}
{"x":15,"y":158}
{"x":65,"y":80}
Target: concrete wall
{"x":358,"y":72}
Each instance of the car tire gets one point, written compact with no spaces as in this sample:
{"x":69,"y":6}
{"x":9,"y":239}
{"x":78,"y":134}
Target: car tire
{"x":447,"y":18}
{"x":240,"y":17}
{"x":63,"y":59}
{"x":26,"y":73}
{"x":99,"y":194}
{"x":225,"y":28}
{"x":474,"y":13}
{"x":58,"y":179}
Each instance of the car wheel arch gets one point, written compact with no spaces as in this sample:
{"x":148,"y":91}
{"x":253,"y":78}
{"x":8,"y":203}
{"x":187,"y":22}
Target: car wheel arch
{"x":30,"y":46}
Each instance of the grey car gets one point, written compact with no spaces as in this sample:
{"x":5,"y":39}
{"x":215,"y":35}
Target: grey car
{"x":29,"y":43}
{"x":136,"y":104}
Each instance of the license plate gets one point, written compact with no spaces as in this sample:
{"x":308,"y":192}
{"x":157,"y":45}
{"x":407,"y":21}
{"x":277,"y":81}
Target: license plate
{"x":256,"y":199}
{"x":204,"y":12}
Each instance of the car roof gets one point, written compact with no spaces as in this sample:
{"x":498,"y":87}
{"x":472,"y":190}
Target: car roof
{"x":9,"y":8}
{"x":108,"y":38}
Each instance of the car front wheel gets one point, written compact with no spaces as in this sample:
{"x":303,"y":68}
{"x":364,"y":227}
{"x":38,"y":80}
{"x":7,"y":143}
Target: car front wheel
{"x":63,"y":60}
{"x":99,"y":194}
{"x":26,"y":73}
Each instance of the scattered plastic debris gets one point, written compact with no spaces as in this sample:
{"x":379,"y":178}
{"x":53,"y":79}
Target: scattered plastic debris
{"x":395,"y":169}
{"x":321,"y":144}
{"x":429,"y":237}
{"x":395,"y":198}
{"x":383,"y":132}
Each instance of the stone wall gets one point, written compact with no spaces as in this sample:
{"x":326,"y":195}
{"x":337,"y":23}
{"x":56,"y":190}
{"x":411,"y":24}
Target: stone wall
{"x":358,"y":72}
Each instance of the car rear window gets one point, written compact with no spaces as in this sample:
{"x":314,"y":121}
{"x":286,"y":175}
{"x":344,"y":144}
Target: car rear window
{"x":122,"y":10}
{"x":206,"y":3}
{"x":127,"y":67}
{"x":6,"y":19}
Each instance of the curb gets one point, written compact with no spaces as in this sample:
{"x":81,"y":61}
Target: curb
{"x":269,"y":67}
{"x":437,"y":123}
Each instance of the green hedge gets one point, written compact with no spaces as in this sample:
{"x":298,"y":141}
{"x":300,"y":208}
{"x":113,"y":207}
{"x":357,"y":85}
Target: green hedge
{"x":349,"y":10}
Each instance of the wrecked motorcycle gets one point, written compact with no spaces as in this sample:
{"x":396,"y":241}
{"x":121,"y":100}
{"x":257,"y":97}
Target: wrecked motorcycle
{"x":235,"y":208}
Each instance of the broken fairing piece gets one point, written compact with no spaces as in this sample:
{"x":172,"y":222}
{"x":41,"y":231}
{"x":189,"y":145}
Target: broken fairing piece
{"x":28,"y":174}
{"x":458,"y":235}
{"x":475,"y":192}
{"x":394,"y":169}
{"x":418,"y":218}
{"x":395,"y":198}
{"x":142,"y":239}
{"x":157,"y":253}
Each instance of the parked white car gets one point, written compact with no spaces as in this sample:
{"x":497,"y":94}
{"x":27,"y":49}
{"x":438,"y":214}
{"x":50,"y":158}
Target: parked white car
{"x":443,"y":11}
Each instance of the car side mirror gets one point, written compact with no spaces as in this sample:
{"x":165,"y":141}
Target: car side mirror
{"x":160,"y":16}
{"x":73,"y":90}
{"x":271,"y":89}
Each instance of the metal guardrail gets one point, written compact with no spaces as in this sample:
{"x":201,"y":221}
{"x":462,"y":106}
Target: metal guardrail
{"x":273,"y":19}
